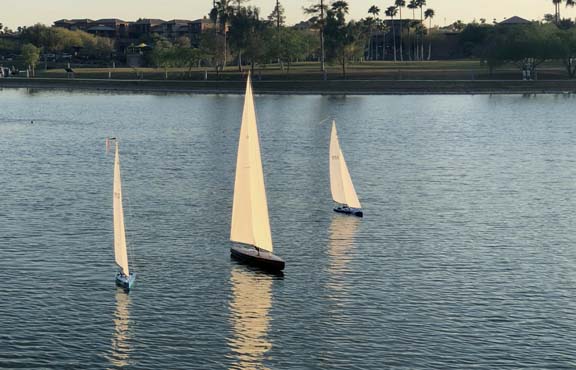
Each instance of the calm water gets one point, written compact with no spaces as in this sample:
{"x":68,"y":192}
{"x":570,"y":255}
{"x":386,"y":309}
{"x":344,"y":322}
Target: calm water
{"x":466,"y":257}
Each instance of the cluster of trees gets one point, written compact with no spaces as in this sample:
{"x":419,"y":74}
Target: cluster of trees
{"x":242,"y":36}
{"x":557,"y":6}
{"x":57,"y":40}
{"x":413,"y":31}
{"x":36,"y":40}
{"x":526,"y":46}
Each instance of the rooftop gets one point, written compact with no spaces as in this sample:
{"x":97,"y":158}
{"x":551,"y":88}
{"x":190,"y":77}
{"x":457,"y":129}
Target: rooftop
{"x":515,"y":20}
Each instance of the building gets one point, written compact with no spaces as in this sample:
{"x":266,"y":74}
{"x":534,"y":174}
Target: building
{"x":111,"y":28}
{"x":515,"y":21}
{"x":174,"y":29}
{"x":197,"y":28}
{"x":74,"y":24}
{"x":144,"y":28}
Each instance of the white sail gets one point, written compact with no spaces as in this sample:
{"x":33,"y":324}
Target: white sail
{"x":340,"y":181}
{"x":250,"y":222}
{"x":120,"y":251}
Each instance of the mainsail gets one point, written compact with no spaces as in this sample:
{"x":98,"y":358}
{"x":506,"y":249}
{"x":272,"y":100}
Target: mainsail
{"x":250,"y":223}
{"x":340,"y":182}
{"x":119,"y":229}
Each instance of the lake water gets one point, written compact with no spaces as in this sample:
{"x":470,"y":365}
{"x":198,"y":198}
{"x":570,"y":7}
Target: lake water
{"x":466,"y":257}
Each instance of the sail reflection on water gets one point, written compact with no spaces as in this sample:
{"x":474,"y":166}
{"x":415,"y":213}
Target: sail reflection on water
{"x":121,"y":340}
{"x":249,"y":309}
{"x":342,"y":232}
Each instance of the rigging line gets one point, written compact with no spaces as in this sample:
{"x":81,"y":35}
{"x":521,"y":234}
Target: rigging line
{"x":324,"y":121}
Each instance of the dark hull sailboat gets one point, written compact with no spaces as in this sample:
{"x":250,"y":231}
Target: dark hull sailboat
{"x":257,"y":258}
{"x":250,"y":226}
{"x":349,"y":211}
{"x":124,"y":281}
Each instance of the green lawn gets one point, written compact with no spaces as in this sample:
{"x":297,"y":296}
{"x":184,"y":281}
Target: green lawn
{"x":443,"y":70}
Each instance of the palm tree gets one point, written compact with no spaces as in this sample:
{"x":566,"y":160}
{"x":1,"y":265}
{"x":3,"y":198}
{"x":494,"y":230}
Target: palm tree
{"x":400,"y":4}
{"x":412,"y":5}
{"x":429,"y":14}
{"x":221,"y":14}
{"x":318,"y":10}
{"x":391,"y":12}
{"x":421,"y":4}
{"x":557,"y":9}
{"x":375,"y":12}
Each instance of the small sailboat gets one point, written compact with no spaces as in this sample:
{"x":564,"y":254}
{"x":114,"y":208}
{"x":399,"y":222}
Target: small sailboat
{"x":343,"y":191}
{"x":124,"y":278}
{"x":250,"y":221}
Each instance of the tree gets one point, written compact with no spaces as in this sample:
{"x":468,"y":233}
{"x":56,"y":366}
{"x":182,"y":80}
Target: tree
{"x":429,"y":14}
{"x":421,"y":4}
{"x":413,"y":6}
{"x":245,"y":29}
{"x":221,"y":14}
{"x":296,"y":46}
{"x":31,"y":56}
{"x":391,"y":12}
{"x":278,"y":15}
{"x":278,"y":18}
{"x":401,"y":4}
{"x":344,"y":40}
{"x":567,"y":50}
{"x":557,"y":9}
{"x":163,"y":55}
{"x":524,"y":46}
{"x":318,"y":10}
{"x":473,"y":39}
{"x":374,"y":11}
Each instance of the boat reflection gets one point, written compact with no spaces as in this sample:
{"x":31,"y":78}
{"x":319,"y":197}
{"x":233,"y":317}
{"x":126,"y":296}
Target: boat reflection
{"x":249,"y":307}
{"x":121,"y":340}
{"x":342,"y":232}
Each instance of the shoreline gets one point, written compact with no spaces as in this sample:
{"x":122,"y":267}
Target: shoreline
{"x":304,"y":87}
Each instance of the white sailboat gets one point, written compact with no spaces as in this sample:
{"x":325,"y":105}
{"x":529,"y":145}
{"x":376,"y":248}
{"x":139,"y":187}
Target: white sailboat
{"x":343,"y":191}
{"x":124,"y":278}
{"x":250,"y":221}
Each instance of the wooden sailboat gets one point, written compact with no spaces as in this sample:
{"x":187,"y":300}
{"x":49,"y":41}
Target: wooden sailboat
{"x":124,"y":278}
{"x":250,"y":222}
{"x":343,"y":191}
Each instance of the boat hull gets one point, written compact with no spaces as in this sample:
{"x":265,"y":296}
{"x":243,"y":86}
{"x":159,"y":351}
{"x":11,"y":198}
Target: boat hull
{"x":350,"y":211}
{"x":125,"y":282}
{"x":257,"y":258}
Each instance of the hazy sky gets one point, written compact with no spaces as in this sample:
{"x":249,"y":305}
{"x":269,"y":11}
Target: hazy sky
{"x":15,"y":13}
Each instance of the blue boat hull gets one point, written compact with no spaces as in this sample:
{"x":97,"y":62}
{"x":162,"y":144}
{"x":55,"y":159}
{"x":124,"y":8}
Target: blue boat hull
{"x":125,"y":282}
{"x":349,"y":211}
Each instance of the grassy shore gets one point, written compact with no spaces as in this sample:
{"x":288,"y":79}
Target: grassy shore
{"x":455,"y":77}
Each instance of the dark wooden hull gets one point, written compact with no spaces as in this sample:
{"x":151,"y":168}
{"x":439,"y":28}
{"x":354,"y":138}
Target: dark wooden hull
{"x":261,"y":259}
{"x":349,"y":211}
{"x":125,"y":282}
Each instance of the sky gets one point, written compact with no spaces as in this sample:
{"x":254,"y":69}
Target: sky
{"x":28,"y":12}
